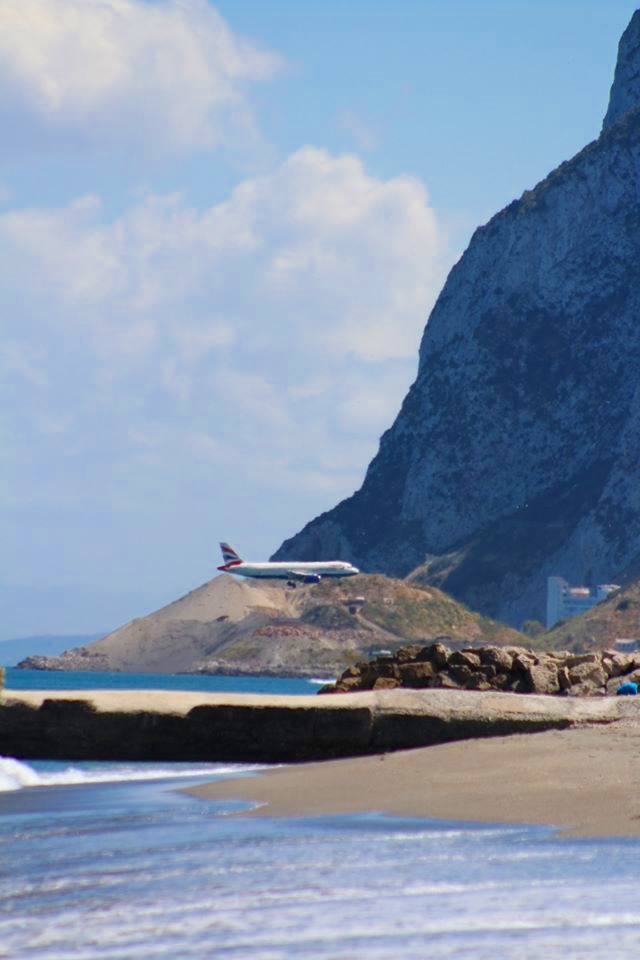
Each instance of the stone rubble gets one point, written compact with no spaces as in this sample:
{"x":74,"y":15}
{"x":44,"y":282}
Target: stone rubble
{"x":507,"y":669}
{"x":82,"y":659}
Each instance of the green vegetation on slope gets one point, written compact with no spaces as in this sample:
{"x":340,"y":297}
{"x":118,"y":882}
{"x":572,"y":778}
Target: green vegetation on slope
{"x":408,"y":611}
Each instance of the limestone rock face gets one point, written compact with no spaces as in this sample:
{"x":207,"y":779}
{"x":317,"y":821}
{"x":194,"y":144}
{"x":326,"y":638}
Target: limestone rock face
{"x":625,"y":91}
{"x":515,"y":453}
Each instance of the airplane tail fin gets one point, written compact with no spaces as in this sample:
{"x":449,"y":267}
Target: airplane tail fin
{"x":229,"y":555}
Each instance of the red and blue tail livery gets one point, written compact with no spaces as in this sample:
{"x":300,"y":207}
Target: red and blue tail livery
{"x":229,"y":555}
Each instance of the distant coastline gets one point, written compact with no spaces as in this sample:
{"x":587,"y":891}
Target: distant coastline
{"x":225,"y":670}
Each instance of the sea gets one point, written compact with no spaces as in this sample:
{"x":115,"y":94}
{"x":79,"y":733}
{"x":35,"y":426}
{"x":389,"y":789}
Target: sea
{"x":115,"y":860}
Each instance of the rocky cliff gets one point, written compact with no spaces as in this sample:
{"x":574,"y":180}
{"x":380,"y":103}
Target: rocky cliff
{"x":515,"y":453}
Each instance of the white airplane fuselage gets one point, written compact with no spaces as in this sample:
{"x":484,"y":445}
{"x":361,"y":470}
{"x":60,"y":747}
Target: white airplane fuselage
{"x":290,"y":571}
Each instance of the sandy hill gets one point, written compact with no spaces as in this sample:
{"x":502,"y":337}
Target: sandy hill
{"x":226,"y":597}
{"x":230,"y":625}
{"x":180,"y":635}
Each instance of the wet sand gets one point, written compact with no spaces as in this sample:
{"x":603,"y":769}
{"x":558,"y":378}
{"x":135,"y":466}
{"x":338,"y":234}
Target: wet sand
{"x":584,"y":781}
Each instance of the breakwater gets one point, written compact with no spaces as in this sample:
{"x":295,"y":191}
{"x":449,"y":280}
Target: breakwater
{"x":509,"y":669}
{"x":174,"y":725}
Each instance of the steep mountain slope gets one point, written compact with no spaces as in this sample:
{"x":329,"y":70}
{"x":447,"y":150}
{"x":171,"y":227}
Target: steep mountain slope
{"x":514,"y":455}
{"x":236,"y":626}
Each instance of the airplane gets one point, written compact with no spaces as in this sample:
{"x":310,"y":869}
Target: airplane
{"x":292,"y":571}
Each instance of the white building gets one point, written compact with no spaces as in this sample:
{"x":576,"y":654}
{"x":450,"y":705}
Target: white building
{"x":626,"y":645}
{"x":564,"y":601}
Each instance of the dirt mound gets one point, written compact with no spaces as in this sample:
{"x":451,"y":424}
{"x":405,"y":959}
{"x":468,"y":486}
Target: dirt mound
{"x":229,"y":625}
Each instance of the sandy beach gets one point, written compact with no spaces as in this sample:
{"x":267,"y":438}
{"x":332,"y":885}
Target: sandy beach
{"x":585,"y":782}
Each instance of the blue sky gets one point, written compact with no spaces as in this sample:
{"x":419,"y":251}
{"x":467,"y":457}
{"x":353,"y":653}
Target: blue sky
{"x":222,"y":228}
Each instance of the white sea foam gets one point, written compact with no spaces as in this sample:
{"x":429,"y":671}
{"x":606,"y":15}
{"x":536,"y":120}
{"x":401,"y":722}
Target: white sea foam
{"x":166,"y":877}
{"x":15,"y":775}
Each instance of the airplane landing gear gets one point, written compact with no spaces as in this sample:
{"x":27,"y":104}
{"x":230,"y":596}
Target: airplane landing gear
{"x":292,"y":584}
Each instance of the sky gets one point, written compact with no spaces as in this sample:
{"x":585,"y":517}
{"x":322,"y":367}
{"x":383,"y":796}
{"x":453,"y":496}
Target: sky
{"x":222,"y":229}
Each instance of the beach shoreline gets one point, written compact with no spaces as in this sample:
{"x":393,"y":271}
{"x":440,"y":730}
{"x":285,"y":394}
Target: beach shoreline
{"x":583,"y":782}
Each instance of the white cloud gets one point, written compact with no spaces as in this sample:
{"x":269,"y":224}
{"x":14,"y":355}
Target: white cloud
{"x":127,"y":72}
{"x":364,"y":136}
{"x":274,"y":334}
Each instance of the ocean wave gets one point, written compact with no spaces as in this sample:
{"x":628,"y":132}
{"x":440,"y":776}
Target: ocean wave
{"x":16,"y":775}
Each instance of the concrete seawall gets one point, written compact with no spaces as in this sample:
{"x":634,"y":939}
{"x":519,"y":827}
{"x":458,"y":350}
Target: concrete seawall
{"x":166,"y":725}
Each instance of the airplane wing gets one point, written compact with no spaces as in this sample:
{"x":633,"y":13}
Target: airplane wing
{"x":303,"y":576}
